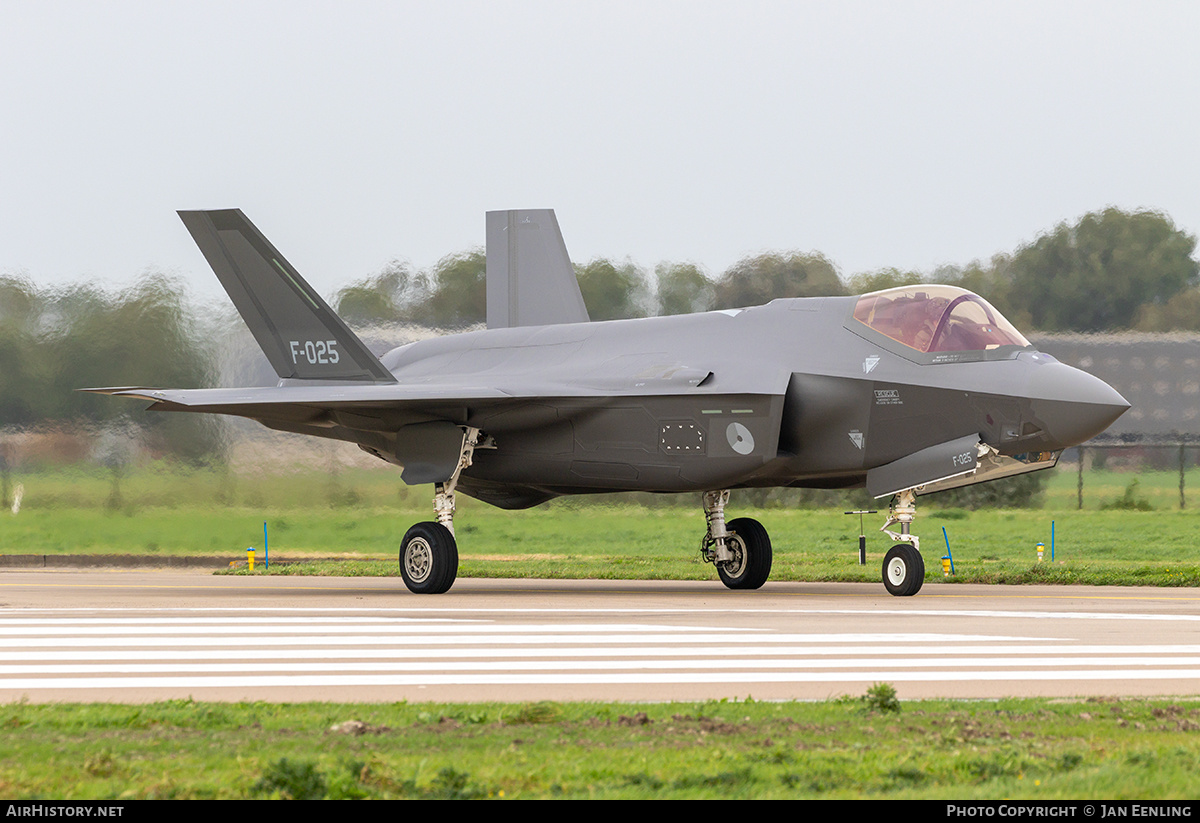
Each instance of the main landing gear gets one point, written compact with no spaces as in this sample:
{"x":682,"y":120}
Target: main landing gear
{"x":429,"y":553}
{"x":740,"y":549}
{"x":903,"y":567}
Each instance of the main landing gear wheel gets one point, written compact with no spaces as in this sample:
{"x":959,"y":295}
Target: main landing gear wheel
{"x":750,"y":546}
{"x":428,"y":558}
{"x":903,"y":570}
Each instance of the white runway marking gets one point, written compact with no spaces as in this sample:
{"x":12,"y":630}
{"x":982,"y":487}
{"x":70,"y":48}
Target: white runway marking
{"x":272,"y":682}
{"x":178,"y":650}
{"x":590,"y":665}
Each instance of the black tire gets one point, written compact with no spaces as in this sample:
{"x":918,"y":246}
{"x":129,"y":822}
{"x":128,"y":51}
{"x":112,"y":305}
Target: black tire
{"x":903,"y":570}
{"x":751,"y":548}
{"x":428,"y":558}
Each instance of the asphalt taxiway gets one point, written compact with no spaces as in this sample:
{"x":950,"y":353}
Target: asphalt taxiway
{"x":141,"y":635}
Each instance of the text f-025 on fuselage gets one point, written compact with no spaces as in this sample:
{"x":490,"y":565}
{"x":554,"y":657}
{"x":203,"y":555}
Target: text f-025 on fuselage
{"x":906,"y":391}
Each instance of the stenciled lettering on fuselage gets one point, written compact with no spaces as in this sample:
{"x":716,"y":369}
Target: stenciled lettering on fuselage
{"x":314,"y":352}
{"x":964,"y":459}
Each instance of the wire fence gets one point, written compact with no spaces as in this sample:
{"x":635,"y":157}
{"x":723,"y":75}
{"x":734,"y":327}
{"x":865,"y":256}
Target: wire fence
{"x":1135,"y":459}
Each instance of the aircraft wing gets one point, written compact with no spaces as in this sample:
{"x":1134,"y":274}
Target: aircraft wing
{"x":419,"y":425}
{"x":380,"y":405}
{"x":387,"y":406}
{"x":325,"y":396}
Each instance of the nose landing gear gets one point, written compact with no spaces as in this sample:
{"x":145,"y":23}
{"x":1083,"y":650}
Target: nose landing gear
{"x":903,"y":566}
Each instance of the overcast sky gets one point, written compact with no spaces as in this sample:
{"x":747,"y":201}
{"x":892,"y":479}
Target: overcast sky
{"x":906,"y":134}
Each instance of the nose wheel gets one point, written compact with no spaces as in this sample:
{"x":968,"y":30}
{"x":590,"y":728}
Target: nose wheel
{"x":903,"y":570}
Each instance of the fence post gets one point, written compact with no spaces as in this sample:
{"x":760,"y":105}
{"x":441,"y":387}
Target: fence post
{"x":1182,"y":502}
{"x":1079,"y":491}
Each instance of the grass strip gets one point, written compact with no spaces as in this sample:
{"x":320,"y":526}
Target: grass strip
{"x":360,"y":516}
{"x":869,"y":747}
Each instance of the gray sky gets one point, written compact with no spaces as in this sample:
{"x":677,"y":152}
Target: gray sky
{"x":904,"y":134}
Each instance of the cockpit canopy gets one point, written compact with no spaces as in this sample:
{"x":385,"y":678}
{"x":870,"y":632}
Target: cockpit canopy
{"x":937,"y":319}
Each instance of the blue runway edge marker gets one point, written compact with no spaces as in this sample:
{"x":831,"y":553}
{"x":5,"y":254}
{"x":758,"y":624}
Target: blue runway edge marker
{"x":948,"y":554}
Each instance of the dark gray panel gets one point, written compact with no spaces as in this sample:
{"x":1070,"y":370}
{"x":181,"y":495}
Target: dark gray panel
{"x":955,"y":457}
{"x":596,"y":470}
{"x":429,"y":452}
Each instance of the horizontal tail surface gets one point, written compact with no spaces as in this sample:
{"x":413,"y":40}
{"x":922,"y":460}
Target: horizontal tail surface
{"x":297,"y":331}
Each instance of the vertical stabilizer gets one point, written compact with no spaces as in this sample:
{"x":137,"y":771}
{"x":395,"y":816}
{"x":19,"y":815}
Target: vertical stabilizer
{"x":297,"y":331}
{"x":530,"y":279}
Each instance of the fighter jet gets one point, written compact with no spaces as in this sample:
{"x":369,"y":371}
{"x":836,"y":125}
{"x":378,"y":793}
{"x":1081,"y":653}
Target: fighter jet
{"x":906,"y":391}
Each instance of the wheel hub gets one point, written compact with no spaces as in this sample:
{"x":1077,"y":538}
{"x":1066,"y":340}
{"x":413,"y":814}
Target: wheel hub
{"x":737,"y":563}
{"x":897,"y":571}
{"x":418,"y":559}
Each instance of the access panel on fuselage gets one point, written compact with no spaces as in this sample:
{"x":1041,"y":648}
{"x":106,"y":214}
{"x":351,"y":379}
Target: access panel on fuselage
{"x":665,"y":443}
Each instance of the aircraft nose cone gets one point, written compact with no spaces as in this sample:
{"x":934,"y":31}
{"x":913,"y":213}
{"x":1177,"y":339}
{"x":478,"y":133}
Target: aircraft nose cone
{"x":1073,"y":405}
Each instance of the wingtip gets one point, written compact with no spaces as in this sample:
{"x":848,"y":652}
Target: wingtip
{"x":144,"y":392}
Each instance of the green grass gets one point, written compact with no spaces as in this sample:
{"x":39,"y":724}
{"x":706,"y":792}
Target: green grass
{"x":361,"y":515}
{"x":1160,"y":489}
{"x":1097,"y":548}
{"x":169,"y":485}
{"x":1121,"y":749}
{"x":849,"y":748}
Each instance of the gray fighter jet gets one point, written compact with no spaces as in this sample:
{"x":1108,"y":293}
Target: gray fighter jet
{"x":910,"y":390}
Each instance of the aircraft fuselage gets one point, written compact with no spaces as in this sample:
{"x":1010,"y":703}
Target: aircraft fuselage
{"x":792,"y":393}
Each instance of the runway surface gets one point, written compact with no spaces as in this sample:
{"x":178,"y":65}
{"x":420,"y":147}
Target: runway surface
{"x":132,"y":636}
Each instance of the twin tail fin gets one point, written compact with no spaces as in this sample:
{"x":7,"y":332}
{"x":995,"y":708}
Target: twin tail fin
{"x":530,"y":279}
{"x":297,"y":331}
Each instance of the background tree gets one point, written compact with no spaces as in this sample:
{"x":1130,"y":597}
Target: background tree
{"x":391,"y":296}
{"x":22,"y":361}
{"x":613,"y":291}
{"x":1180,"y":313}
{"x":459,"y":297}
{"x":881,"y":279}
{"x":1096,"y":274}
{"x":681,"y":288}
{"x":55,"y":342}
{"x":754,"y":281}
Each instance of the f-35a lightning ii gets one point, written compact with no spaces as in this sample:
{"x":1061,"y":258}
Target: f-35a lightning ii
{"x":910,"y":390}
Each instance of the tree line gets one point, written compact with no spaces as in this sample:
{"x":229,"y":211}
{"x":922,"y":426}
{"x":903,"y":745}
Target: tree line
{"x":1110,"y":270}
{"x":56,"y":341}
